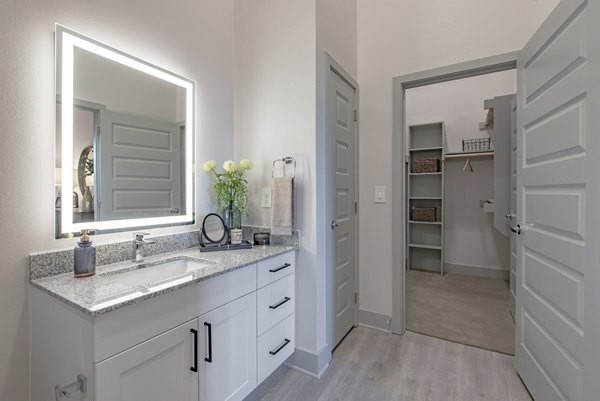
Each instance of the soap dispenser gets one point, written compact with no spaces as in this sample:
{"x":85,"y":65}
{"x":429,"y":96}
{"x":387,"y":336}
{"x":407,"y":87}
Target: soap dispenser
{"x":85,"y":256}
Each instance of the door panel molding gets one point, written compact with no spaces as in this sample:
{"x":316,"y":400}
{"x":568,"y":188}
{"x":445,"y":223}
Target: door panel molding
{"x":340,"y":205}
{"x":552,"y":97}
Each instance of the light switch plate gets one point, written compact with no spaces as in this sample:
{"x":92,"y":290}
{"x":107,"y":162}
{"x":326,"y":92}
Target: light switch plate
{"x":379,"y":194}
{"x":266,"y":197}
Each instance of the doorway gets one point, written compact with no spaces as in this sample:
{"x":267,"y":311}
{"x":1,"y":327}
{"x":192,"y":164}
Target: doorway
{"x":400,"y":216}
{"x":457,"y":189}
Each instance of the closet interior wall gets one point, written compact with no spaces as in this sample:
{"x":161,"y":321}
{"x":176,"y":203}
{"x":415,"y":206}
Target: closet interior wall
{"x":471,"y":244}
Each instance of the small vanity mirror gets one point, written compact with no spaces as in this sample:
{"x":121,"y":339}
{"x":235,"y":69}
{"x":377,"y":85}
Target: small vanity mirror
{"x":214,"y":231}
{"x":124,"y":140}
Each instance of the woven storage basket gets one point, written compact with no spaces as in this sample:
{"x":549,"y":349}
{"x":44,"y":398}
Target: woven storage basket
{"x":426,"y":165}
{"x":424,"y":214}
{"x":476,"y":145}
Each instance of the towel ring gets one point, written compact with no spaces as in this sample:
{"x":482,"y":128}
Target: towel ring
{"x":286,"y":161}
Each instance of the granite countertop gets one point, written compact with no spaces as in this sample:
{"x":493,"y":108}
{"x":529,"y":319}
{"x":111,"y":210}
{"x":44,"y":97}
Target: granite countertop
{"x":109,"y":290}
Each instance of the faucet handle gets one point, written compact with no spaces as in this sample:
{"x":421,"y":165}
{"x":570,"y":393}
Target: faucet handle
{"x":139,"y":236}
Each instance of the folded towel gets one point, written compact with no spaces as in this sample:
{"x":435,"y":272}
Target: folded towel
{"x":281,"y":212}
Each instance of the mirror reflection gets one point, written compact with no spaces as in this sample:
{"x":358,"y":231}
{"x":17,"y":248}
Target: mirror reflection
{"x":127,"y":129}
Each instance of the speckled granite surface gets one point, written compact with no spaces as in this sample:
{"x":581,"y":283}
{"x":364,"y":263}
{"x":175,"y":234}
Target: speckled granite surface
{"x":46,"y":264}
{"x":109,"y":289}
{"x":289,"y":240}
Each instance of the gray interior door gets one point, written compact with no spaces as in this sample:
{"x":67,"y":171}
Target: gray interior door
{"x":512,"y":216}
{"x":344,"y":156}
{"x":140,"y":168}
{"x":554,"y":81}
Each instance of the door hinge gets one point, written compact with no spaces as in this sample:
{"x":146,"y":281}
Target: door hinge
{"x":355,"y":207}
{"x":99,"y":203}
{"x":355,"y":116}
{"x":98,"y":130}
{"x":356,"y":297}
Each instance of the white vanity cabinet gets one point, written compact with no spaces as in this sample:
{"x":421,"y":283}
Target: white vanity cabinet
{"x":215,"y":340}
{"x":227,"y":351}
{"x":156,"y":370}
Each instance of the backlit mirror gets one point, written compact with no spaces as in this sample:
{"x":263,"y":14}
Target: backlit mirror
{"x":124,"y":140}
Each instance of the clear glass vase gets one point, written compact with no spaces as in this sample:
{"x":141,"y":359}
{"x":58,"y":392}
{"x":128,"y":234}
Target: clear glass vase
{"x":232,"y":216}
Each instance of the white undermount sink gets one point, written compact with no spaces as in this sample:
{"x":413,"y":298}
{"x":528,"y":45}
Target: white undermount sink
{"x":161,"y":274}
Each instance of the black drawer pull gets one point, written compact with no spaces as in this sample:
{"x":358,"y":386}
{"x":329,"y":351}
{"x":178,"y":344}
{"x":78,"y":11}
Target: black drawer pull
{"x":195,"y":367}
{"x":209,"y":337}
{"x":280,"y":347}
{"x":283,"y":266}
{"x":278,"y":304}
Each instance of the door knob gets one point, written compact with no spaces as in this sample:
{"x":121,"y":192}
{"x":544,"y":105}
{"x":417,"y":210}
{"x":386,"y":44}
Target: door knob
{"x":516,"y":230}
{"x":509,"y":216}
{"x":334,"y":224}
{"x":175,"y":210}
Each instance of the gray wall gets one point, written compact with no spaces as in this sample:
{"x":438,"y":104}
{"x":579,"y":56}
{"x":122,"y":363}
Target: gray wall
{"x":401,"y":37}
{"x":279,"y":74}
{"x":471,"y":239}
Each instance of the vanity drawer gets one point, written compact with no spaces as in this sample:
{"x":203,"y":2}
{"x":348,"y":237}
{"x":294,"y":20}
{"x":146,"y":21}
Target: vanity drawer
{"x":275,"y":268}
{"x":275,"y":302}
{"x":275,"y":346}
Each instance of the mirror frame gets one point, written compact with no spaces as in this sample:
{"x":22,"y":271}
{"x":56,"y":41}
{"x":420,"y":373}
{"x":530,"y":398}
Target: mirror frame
{"x":66,"y":40}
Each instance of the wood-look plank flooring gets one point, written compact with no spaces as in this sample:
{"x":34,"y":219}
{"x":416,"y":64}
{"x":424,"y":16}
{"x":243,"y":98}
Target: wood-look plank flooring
{"x":372,"y":365}
{"x":467,"y":310}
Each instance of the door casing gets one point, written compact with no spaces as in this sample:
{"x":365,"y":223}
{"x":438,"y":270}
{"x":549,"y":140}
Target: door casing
{"x":487,"y":65}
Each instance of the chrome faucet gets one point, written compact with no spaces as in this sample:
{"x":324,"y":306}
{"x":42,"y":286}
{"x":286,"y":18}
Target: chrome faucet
{"x":138,"y":246}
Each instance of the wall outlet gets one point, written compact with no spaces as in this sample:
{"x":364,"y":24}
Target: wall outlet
{"x":266,"y":197}
{"x":379,"y":194}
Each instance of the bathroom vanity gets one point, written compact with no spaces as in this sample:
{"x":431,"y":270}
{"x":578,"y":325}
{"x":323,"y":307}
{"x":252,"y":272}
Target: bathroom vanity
{"x":183,"y":326}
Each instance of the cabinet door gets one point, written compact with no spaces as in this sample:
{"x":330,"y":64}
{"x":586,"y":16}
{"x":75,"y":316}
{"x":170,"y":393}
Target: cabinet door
{"x":159,"y":369}
{"x":227,"y":351}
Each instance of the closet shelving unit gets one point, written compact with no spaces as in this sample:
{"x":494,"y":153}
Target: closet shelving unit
{"x":425,"y":245}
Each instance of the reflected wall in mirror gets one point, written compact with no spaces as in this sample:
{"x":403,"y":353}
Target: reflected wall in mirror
{"x":124,"y":140}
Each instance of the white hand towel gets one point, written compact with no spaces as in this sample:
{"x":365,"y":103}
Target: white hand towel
{"x":281,"y":212}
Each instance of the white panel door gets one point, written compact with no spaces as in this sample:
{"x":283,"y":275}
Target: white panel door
{"x":512,"y":216}
{"x":344,"y":156}
{"x":227,"y":353}
{"x":140,"y":167}
{"x":159,"y":369}
{"x":553,"y":206}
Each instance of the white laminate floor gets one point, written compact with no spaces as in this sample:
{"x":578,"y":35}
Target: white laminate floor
{"x":372,"y":365}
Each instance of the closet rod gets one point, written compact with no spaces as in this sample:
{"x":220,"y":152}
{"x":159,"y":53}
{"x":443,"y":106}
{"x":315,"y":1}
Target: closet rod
{"x":463,"y":155}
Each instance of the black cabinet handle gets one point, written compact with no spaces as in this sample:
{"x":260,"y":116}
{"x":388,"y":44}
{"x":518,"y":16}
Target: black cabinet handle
{"x":283,"y":266}
{"x":209,"y":336}
{"x":280,"y":347}
{"x":195,"y":367}
{"x":278,"y":304}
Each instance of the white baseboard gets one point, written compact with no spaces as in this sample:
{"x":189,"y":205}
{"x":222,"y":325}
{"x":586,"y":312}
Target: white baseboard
{"x":311,"y":364}
{"x":476,"y":271}
{"x":373,"y":320}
